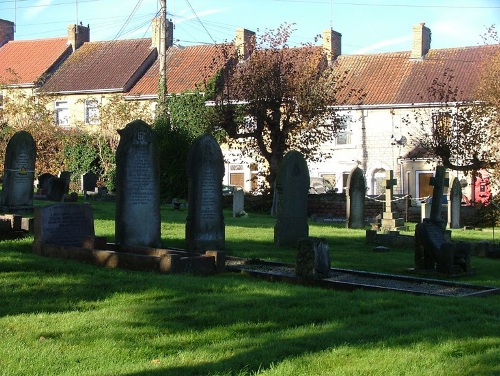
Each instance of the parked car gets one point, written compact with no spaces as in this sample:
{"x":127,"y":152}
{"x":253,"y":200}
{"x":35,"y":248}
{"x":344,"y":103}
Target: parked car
{"x":228,"y":190}
{"x":320,"y":185}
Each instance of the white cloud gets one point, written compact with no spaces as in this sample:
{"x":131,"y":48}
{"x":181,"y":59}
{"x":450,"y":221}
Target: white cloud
{"x":181,"y":18}
{"x":385,"y":43}
{"x":36,"y":9}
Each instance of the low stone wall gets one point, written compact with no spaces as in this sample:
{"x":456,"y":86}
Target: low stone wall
{"x":334,"y":205}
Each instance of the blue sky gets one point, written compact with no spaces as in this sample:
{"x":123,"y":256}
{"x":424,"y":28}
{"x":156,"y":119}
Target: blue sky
{"x":367,"y":26}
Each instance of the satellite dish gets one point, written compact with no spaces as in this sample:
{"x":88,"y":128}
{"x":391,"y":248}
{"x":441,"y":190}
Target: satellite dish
{"x":400,"y":140}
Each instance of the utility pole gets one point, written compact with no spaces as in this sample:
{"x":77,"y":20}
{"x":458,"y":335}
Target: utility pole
{"x":162,"y":53}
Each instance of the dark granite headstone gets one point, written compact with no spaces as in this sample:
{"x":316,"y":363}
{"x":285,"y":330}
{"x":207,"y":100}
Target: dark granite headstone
{"x":19,"y":173}
{"x":433,"y":250}
{"x":63,"y":224}
{"x":313,"y":258}
{"x":356,"y":191}
{"x":292,"y":185}
{"x":55,"y":189}
{"x":137,"y":187}
{"x":66,"y":176}
{"x":43,"y":182}
{"x":205,"y":228}
{"x":88,"y":182}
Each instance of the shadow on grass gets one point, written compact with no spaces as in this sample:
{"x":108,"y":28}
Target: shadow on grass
{"x":244,"y":325}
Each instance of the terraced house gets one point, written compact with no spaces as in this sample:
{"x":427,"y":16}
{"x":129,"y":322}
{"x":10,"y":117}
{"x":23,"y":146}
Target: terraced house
{"x":82,"y":76}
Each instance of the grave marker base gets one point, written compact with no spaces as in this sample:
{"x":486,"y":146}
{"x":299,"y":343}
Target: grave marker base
{"x":136,"y":258}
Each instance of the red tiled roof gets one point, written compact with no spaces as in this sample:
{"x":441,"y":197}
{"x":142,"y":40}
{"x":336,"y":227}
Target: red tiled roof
{"x":25,"y":61}
{"x":392,"y":78}
{"x":96,"y":66}
{"x":187,"y":67}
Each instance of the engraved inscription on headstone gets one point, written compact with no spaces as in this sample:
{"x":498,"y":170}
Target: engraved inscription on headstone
{"x":205,"y":229}
{"x":137,"y":187}
{"x":63,"y":224}
{"x":292,"y":185}
{"x":356,"y":191}
{"x":19,"y":173}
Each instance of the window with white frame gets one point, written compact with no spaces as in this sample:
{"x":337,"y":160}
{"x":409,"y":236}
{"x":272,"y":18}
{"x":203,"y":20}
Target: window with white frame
{"x":344,"y":131}
{"x":62,"y":113}
{"x":92,"y":114}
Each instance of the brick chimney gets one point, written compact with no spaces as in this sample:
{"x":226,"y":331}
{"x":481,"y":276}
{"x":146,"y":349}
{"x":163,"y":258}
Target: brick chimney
{"x":78,"y":35}
{"x":156,"y":29}
{"x":6,"y":31}
{"x":421,"y":41}
{"x":245,"y":43}
{"x":332,"y":42}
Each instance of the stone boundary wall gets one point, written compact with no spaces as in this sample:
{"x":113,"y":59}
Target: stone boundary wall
{"x":333,"y":205}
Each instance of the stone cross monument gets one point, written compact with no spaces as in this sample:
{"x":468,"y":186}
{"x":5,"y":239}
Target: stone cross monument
{"x":389,"y":220}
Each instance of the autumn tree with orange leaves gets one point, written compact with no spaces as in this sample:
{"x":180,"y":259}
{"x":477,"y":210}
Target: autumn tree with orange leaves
{"x":279,"y":99}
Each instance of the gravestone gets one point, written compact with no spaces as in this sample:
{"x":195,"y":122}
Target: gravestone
{"x":66,"y":177}
{"x":313,"y":258}
{"x":454,"y":204}
{"x":88,"y":182}
{"x":205,"y":228}
{"x":137,"y":187}
{"x":433,"y":250}
{"x":238,"y":202}
{"x":439,"y":182}
{"x":390,"y":221}
{"x":43,"y":182}
{"x":55,"y":189}
{"x":292,"y":186}
{"x":355,"y":193}
{"x":19,"y":174}
{"x":62,"y":224}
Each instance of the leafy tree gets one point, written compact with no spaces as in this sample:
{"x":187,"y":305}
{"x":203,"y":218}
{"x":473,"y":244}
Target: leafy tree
{"x":30,"y":113}
{"x":279,"y":99}
{"x":115,"y":114}
{"x":461,"y":131}
{"x":188,"y":118}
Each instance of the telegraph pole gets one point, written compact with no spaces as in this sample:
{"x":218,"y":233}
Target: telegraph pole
{"x":162,"y":53}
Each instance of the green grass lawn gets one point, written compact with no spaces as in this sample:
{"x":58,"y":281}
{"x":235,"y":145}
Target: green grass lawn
{"x":61,"y":317}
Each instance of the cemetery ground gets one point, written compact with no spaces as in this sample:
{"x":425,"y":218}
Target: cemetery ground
{"x":63,"y":317}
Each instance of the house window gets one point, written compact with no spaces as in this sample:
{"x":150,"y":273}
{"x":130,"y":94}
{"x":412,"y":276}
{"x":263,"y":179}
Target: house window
{"x":344,"y":132}
{"x":62,"y":113}
{"x":92,"y":111}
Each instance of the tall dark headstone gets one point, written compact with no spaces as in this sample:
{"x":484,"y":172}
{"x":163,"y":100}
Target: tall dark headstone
{"x":356,"y":191}
{"x":137,"y":187}
{"x":205,"y":228}
{"x":43,"y":182}
{"x":19,"y":173}
{"x":292,"y":185}
{"x":66,"y":177}
{"x":88,"y":182}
